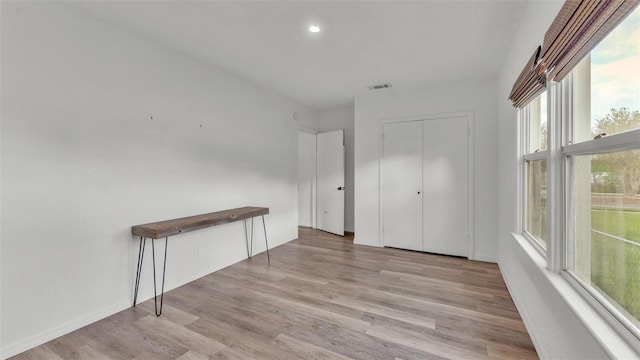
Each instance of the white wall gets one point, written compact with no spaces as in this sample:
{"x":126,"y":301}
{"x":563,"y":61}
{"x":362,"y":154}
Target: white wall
{"x":477,"y":96}
{"x":553,"y":312}
{"x":1,"y":351}
{"x":307,"y":120}
{"x":337,"y":119}
{"x":83,"y":160}
{"x":306,"y":179}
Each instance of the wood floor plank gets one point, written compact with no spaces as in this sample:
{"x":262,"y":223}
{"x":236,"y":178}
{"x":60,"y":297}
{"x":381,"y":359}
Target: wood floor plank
{"x":434,"y":345}
{"x":507,"y":352}
{"x":464,"y":328}
{"x":437,"y":310}
{"x":240,"y":342}
{"x":358,"y":345}
{"x":67,"y":346}
{"x":368,"y":308}
{"x":446,"y":291}
{"x":86,"y":352}
{"x":170,"y":313}
{"x":318,"y":298}
{"x":321,"y":297}
{"x":192,"y":355}
{"x":453,"y":298}
{"x":304,"y":350}
{"x":177,"y":332}
{"x":38,"y":353}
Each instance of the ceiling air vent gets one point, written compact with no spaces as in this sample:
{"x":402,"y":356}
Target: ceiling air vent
{"x":380,"y":86}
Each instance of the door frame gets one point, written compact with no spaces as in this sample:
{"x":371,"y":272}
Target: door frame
{"x":470,"y":158}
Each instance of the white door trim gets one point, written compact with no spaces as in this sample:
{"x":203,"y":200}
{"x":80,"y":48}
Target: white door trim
{"x":471,"y":162}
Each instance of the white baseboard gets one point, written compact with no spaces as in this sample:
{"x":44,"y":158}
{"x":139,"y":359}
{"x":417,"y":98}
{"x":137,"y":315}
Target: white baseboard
{"x":48,"y":335}
{"x":484,"y":258}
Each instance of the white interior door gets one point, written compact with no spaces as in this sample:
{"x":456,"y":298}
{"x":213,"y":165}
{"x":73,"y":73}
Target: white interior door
{"x":445,"y":186}
{"x":330,"y":180}
{"x":402,"y":185}
{"x":306,"y":178}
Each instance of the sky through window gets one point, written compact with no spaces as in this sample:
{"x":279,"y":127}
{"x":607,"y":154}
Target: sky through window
{"x":615,"y":69}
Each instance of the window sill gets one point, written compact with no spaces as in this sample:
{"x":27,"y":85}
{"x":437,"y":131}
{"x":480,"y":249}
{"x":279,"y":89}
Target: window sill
{"x":535,"y":245}
{"x":609,"y":338}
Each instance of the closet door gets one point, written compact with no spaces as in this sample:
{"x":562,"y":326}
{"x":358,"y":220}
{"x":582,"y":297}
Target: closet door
{"x":401,"y":185}
{"x":445,"y":184}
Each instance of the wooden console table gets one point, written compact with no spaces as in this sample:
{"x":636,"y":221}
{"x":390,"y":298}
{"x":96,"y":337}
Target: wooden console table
{"x":164,"y":229}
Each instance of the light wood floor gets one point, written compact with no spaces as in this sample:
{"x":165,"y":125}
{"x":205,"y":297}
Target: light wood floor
{"x":321,"y":298}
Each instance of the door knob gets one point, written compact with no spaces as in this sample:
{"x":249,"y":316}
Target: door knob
{"x":340,"y":187}
{"x":418,"y":192}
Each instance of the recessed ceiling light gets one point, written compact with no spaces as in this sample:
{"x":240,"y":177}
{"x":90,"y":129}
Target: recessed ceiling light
{"x":314,"y":28}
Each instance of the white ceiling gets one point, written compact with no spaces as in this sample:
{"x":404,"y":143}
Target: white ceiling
{"x":362,"y":43}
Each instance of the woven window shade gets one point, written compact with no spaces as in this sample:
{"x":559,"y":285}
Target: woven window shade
{"x":578,"y":28}
{"x":531,"y":82}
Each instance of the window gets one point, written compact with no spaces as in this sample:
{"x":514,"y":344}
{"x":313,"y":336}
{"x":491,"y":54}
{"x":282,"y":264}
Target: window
{"x":606,"y":84}
{"x":536,"y":200}
{"x":606,"y":229}
{"x":580,"y":162}
{"x":535,"y":145}
{"x":538,"y":123}
{"x":603,"y":165}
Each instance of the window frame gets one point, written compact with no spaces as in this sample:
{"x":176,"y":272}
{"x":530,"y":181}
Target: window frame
{"x":556,"y":193}
{"x":524,"y":123}
{"x":623,"y":141}
{"x":576,"y":31}
{"x":559,"y":155}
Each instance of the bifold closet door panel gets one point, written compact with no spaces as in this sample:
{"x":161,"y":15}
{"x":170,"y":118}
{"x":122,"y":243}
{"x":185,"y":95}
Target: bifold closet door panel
{"x":401,"y":185}
{"x":445,"y":186}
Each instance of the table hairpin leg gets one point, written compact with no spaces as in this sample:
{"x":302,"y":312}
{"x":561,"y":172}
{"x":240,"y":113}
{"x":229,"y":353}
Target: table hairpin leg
{"x":164,"y":268}
{"x":143,"y":242}
{"x":249,"y":238}
{"x":264,"y":226}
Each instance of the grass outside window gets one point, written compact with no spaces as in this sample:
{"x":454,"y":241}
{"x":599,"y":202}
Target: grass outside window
{"x":607,"y":229}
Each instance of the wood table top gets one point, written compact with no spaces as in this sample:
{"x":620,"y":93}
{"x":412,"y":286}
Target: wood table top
{"x":171,"y":227}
